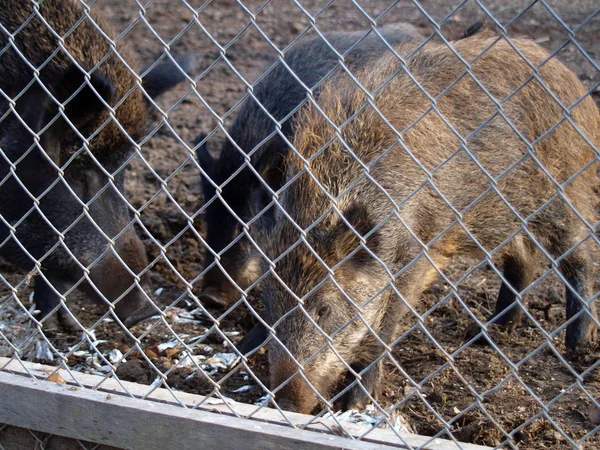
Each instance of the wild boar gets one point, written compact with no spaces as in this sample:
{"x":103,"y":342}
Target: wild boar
{"x":496,"y":162}
{"x":254,"y":133}
{"x":71,"y":112}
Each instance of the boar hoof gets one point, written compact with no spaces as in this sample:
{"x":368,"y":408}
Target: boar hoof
{"x":60,"y":321}
{"x":50,"y":324}
{"x":139,"y":315}
{"x":66,"y":322}
{"x":358,"y":397}
{"x":494,"y":332}
{"x":584,"y":352}
{"x":581,"y":340}
{"x":210,"y":297}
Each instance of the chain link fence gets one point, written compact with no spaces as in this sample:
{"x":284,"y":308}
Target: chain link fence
{"x":372,"y":212}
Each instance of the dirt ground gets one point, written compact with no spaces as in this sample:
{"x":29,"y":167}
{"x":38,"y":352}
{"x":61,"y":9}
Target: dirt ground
{"x":519,"y":387}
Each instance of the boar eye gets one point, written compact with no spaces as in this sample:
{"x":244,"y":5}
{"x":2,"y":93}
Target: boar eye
{"x":324,"y":311}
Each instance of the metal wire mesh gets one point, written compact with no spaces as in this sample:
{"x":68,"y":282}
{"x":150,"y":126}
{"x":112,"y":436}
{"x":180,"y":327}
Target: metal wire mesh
{"x":519,"y":388}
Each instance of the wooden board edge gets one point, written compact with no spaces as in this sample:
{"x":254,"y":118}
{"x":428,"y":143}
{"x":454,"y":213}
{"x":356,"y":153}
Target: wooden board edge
{"x":238,"y":411}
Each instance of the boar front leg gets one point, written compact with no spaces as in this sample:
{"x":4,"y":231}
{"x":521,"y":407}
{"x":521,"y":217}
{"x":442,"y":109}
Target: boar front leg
{"x":367,"y":363}
{"x":581,"y":334}
{"x":519,"y":273}
{"x":46,"y":300}
{"x":360,"y":393}
{"x":411,"y":284}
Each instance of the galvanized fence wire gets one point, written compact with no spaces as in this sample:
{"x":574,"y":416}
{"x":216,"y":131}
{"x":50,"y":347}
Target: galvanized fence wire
{"x":189,"y":296}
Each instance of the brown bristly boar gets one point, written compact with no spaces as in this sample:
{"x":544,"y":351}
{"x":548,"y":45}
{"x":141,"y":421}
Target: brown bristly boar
{"x":377,"y":225}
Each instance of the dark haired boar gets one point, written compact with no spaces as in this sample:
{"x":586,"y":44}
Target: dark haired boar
{"x":377,"y":223}
{"x":76,"y":228}
{"x":280,"y":94}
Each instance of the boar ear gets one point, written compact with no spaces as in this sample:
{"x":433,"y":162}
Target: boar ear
{"x":30,"y":107}
{"x":204,"y":157}
{"x":89,"y":101}
{"x":472,"y":30}
{"x":346,"y":239}
{"x":36,"y":108}
{"x":167,"y":74}
{"x":270,"y":162}
{"x":206,"y":161}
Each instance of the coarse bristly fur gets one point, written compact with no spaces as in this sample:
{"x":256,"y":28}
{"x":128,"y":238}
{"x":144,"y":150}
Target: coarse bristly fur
{"x":279,"y":93}
{"x":58,"y":52}
{"x":86,"y":45}
{"x":416,"y":190}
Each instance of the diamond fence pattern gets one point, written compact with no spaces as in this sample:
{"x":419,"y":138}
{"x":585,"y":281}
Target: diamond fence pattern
{"x":341,"y":253}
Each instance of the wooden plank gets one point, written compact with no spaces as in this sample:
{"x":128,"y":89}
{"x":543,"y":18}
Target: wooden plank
{"x":15,"y":438}
{"x":235,"y":410}
{"x":127,"y":422}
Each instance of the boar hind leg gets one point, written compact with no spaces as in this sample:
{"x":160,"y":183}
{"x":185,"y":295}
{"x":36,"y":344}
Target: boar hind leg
{"x":518,"y":273}
{"x":46,"y":300}
{"x":577,"y":270}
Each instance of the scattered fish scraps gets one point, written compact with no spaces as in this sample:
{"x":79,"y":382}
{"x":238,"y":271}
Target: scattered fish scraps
{"x":91,"y":334}
{"x":32,"y":309}
{"x":263,"y":400}
{"x":181,"y":320}
{"x":357,"y":417}
{"x":181,"y":315}
{"x":371,"y":417}
{"x":197,"y":314}
{"x":165,"y":345}
{"x":245,"y":388}
{"x":115,"y":356}
{"x":92,"y":361}
{"x":105,"y":369}
{"x":192,"y":360}
{"x":42,"y":351}
{"x":221,"y":361}
{"x":402,"y":424}
{"x":220,"y":400}
{"x":196,"y":340}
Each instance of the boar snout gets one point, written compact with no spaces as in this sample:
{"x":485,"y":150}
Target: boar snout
{"x":116,"y":280}
{"x":296,"y":395}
